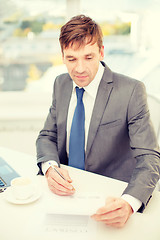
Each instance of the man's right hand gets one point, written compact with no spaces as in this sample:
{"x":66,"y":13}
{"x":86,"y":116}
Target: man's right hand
{"x":57,"y":184}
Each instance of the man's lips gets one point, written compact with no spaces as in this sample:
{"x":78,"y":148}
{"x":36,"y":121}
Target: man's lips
{"x":81,"y":77}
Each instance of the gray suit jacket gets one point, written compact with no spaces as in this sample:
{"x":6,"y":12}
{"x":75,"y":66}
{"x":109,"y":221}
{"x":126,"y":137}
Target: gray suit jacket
{"x":121,"y":140}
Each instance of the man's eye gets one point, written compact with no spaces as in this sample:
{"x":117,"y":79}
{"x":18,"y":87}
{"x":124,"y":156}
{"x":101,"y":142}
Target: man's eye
{"x":89,"y":58}
{"x":71,"y":60}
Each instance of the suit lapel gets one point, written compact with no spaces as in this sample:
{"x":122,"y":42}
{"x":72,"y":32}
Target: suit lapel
{"x":65,"y":99}
{"x":101,"y":101}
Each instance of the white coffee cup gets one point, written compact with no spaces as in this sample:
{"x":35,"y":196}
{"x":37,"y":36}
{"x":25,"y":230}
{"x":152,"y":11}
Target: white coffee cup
{"x":22,"y":188}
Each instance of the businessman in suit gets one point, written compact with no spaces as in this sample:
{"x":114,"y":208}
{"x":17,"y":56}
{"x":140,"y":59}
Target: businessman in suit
{"x":119,"y":140}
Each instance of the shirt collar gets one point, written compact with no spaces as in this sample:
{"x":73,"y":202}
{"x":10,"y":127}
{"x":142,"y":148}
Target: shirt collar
{"x":93,"y":86}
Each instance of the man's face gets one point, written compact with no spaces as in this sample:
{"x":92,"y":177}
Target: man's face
{"x":83,"y":62}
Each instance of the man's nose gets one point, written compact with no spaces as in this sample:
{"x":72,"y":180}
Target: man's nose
{"x":80,"y":67}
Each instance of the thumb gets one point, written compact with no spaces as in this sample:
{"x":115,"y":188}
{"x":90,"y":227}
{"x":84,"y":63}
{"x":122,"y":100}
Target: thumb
{"x":66,"y":175}
{"x":110,"y":200}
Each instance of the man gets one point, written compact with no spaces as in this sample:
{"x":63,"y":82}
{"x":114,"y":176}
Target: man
{"x":119,"y":140}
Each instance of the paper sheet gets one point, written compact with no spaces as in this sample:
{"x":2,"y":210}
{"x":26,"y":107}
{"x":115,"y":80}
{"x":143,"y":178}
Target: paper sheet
{"x":77,"y":204}
{"x":69,"y":217}
{"x":70,"y":226}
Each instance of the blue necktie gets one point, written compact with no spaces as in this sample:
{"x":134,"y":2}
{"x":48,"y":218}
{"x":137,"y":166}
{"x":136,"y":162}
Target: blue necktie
{"x":77,"y":134}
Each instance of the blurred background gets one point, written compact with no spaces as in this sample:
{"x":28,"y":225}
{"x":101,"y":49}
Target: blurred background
{"x":30,"y":57}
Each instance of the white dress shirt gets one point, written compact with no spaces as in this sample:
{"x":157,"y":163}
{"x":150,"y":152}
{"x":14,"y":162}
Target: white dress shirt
{"x":89,"y":97}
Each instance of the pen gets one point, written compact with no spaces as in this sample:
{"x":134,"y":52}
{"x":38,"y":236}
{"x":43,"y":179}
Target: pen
{"x":59,"y":173}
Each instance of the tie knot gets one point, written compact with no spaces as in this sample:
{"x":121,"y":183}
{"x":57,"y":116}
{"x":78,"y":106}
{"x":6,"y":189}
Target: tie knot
{"x":79,"y":92}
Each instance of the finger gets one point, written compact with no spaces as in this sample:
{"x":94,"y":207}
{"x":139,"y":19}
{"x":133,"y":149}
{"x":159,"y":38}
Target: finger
{"x":56,"y":185}
{"x":110,"y":199}
{"x":113,"y":206}
{"x":115,"y":218}
{"x":65,"y":174}
{"x":116,"y":224}
{"x":57,"y":188}
{"x":56,"y":177}
{"x":59,"y":192}
{"x":101,"y":218}
{"x":110,"y":216}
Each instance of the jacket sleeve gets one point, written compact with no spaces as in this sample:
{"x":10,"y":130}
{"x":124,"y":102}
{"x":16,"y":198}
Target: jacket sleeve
{"x":144,"y":145}
{"x":46,"y":143}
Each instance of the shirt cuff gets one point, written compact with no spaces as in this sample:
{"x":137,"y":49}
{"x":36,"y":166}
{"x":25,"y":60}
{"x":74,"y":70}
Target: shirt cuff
{"x":46,"y":165}
{"x":133,"y":202}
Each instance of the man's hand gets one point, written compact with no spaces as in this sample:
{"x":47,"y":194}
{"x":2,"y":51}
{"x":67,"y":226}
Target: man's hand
{"x":57,"y":184}
{"x":115,"y":213}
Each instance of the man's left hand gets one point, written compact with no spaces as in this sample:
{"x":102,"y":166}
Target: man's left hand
{"x":115,"y":213}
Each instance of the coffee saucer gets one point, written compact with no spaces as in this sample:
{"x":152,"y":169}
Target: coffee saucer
{"x":8,"y":195}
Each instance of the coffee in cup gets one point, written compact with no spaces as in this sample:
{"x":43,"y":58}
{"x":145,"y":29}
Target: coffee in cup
{"x":22,"y":188}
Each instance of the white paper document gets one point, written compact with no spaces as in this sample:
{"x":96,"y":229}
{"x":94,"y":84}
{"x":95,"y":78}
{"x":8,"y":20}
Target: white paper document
{"x":69,"y":217}
{"x":77,"y":204}
{"x":70,"y":226}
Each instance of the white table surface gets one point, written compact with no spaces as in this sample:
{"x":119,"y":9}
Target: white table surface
{"x":16,"y":220}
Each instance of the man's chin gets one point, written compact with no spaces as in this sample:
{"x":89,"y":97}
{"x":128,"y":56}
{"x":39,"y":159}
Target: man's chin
{"x":81,"y":82}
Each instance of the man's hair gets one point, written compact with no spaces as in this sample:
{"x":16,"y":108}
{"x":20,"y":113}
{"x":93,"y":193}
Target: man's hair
{"x":80,"y":30}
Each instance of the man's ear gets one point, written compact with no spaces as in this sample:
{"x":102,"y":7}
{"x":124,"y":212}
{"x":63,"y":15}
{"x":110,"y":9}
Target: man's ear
{"x":102,"y":53}
{"x":63,"y":57}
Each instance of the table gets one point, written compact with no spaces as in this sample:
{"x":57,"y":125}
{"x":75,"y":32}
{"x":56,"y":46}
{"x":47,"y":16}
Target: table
{"x":16,"y":219}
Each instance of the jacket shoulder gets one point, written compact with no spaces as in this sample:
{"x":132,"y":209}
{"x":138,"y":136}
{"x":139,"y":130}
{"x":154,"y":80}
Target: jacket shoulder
{"x":62,"y":80}
{"x":62,"y":77}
